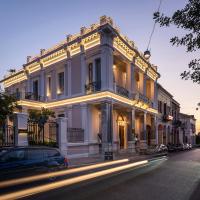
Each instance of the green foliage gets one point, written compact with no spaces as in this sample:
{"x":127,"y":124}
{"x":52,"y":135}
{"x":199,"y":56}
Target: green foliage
{"x":187,"y":19}
{"x":7,"y":106}
{"x":40,"y":116}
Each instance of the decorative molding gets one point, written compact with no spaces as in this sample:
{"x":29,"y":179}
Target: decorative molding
{"x":88,"y":98}
{"x":91,"y":41}
{"x":33,"y":67}
{"x":15,"y":79}
{"x":54,"y":57}
{"x":123,"y":48}
{"x":152,"y":74}
{"x":139,"y":62}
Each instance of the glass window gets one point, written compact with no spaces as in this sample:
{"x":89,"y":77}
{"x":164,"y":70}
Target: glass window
{"x":35,"y":154}
{"x":61,"y":82}
{"x":51,"y":153}
{"x":90,"y":71}
{"x":48,"y":85}
{"x":13,"y":156}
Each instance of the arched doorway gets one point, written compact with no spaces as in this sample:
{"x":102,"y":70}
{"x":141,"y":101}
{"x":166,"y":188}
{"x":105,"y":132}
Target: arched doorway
{"x":160,"y":134}
{"x":121,"y":131}
{"x":148,"y":129}
{"x":164,"y":135}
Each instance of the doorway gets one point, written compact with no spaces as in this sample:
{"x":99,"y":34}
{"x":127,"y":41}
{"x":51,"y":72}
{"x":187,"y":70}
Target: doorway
{"x":121,"y":137}
{"x":148,"y":128}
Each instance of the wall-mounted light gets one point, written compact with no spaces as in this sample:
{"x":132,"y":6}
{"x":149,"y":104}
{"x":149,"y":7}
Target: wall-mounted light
{"x":114,"y":66}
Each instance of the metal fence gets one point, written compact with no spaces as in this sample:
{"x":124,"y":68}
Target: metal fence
{"x":7,"y":136}
{"x":46,"y":134}
{"x":75,"y":135}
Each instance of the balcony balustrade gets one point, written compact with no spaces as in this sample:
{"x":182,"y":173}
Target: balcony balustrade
{"x":93,"y":87}
{"x":122,"y":91}
{"x":143,"y":98}
{"x":27,"y":96}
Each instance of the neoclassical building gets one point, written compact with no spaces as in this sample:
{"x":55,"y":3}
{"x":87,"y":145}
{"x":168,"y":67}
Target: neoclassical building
{"x":100,"y":82}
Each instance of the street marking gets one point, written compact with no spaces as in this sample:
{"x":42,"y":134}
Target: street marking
{"x":67,"y":182}
{"x":59,"y":173}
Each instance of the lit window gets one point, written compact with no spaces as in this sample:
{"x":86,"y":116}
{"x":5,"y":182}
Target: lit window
{"x":60,"y":82}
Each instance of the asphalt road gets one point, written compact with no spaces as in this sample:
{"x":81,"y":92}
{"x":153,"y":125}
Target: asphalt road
{"x":177,"y":178}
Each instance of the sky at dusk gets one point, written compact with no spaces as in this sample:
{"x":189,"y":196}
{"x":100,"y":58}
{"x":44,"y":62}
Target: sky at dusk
{"x":26,"y":26}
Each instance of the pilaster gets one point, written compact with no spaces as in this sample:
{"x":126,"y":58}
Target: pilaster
{"x":83,"y":69}
{"x":107,"y":121}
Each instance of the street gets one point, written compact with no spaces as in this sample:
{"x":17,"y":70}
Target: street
{"x":176,"y":177}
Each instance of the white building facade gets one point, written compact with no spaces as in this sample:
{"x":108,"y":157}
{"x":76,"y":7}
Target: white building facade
{"x":188,"y":128}
{"x":100,"y":82}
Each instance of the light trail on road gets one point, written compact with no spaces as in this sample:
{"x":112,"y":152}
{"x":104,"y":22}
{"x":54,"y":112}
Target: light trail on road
{"x":18,"y":181}
{"x":70,"y":181}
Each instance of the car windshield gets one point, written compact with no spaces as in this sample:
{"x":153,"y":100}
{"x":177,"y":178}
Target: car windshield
{"x":2,"y":151}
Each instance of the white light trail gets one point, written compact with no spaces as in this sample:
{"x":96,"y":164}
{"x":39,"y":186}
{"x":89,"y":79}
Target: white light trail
{"x":58,"y":173}
{"x":67,"y":182}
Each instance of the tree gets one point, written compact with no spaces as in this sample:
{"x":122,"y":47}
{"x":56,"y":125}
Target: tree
{"x":40,"y":116}
{"x":187,"y":19}
{"x":8,"y":104}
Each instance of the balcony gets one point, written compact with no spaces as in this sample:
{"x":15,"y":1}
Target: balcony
{"x":122,"y":91}
{"x":93,"y":87}
{"x":167,"y":118}
{"x":143,"y":98}
{"x":28,"y":96}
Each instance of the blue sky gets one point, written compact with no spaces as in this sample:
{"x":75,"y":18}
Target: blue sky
{"x":26,"y":26}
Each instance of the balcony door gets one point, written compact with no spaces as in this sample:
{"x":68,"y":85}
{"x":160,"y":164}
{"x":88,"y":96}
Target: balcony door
{"x":35,"y":89}
{"x":98,"y":73}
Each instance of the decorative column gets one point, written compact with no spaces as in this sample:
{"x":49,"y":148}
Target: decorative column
{"x":21,"y":126}
{"x":143,"y":140}
{"x":154,"y":130}
{"x":107,"y":49}
{"x":132,"y":78}
{"x":144,"y":84}
{"x":131,"y":133}
{"x":106,"y":125}
{"x":155,"y":95}
{"x":83,"y":69}
{"x":66,"y":80}
{"x":62,"y":134}
{"x":42,"y":82}
{"x":69,"y":65}
{"x":84,"y":113}
{"x":54,"y":84}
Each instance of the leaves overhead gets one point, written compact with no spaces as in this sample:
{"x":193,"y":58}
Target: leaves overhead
{"x":187,"y":19}
{"x":7,"y":106}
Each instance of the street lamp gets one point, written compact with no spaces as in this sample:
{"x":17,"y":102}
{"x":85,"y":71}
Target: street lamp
{"x":147,"y":54}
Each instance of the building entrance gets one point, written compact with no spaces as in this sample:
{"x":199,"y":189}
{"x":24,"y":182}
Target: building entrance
{"x":121,"y":137}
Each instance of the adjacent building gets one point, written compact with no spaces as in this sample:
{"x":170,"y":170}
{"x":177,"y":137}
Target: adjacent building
{"x":188,"y":128}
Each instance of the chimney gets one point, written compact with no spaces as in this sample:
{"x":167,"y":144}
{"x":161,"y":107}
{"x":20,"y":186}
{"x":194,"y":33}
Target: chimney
{"x":28,"y":59}
{"x":82,"y":30}
{"x":69,"y":38}
{"x":42,"y":51}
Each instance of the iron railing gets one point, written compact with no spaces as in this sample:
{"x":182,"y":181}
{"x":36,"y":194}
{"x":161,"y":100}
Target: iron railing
{"x":28,"y":96}
{"x":75,"y":135}
{"x":122,"y":91}
{"x":7,"y":136}
{"x":93,"y":86}
{"x":46,"y":134}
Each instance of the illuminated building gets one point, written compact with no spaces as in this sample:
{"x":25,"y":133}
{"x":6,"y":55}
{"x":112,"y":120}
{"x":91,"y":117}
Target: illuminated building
{"x":100,"y":82}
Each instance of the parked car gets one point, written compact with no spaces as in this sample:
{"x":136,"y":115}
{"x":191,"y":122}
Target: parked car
{"x":161,"y":148}
{"x":171,"y":147}
{"x":26,"y":161}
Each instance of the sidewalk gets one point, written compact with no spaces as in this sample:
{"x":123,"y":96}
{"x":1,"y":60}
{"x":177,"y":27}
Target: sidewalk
{"x":77,"y":162}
